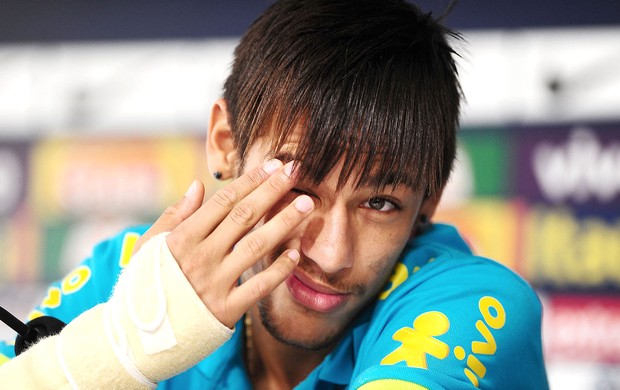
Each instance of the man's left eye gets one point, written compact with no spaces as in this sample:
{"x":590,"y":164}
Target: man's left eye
{"x":380,"y":204}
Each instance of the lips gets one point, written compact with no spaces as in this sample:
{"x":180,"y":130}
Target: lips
{"x":313,"y":295}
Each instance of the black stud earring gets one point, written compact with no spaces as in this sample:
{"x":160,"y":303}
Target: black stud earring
{"x":217,"y":175}
{"x":423,"y":224}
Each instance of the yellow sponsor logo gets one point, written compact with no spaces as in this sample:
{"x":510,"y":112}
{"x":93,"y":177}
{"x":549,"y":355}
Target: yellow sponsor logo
{"x":421,"y":341}
{"x":399,"y":275}
{"x":75,"y":280}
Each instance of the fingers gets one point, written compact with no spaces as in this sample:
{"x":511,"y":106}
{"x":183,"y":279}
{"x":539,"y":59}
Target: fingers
{"x":259,"y":286}
{"x":213,"y":247}
{"x":175,"y":214}
{"x":210,"y":215}
{"x":262,"y":241}
{"x":253,"y":207}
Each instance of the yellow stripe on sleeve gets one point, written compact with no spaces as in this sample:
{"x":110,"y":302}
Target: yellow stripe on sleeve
{"x":3,"y":359}
{"x":392,"y":384}
{"x":129,"y":241}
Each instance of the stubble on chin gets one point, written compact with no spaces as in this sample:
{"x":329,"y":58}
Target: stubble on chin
{"x":276,"y":326}
{"x":280,"y":325}
{"x":278,"y":330}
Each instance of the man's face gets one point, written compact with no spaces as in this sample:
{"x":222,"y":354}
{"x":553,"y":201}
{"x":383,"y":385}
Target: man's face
{"x":348,"y":245}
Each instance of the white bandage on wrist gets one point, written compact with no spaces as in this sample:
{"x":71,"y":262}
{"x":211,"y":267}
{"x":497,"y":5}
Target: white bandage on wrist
{"x":153,"y":327}
{"x":120,"y":346}
{"x":151,"y":320}
{"x":154,"y":307}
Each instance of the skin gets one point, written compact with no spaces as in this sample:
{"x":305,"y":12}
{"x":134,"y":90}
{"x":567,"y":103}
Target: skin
{"x":310,"y":258}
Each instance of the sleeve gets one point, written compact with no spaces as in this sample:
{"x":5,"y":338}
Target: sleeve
{"x":454,"y":324}
{"x":89,"y":284}
{"x":153,"y":327}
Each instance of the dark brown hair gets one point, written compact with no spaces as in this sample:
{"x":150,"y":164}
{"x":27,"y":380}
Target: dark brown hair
{"x":372,"y":82}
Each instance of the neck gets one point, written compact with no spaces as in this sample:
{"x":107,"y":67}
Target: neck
{"x":273,"y":364}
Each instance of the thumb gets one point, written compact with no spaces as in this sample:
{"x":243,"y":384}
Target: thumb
{"x":176,"y":213}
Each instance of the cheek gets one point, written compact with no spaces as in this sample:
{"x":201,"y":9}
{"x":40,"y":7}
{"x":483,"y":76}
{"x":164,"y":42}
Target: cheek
{"x":384,"y":243}
{"x":377,"y":275}
{"x":382,"y":268}
{"x":381,"y":254}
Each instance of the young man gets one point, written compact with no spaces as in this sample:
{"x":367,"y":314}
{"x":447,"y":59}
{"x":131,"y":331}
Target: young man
{"x":338,"y":125}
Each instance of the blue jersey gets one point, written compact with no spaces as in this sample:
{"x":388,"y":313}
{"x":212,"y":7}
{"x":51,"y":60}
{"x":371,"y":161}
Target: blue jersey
{"x":445,"y":319}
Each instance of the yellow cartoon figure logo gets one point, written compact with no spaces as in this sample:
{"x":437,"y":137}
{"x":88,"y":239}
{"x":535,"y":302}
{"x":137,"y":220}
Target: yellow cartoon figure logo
{"x":419,"y":341}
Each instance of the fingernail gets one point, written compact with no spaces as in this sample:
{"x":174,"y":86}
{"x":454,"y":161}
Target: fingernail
{"x":293,"y":255}
{"x":288,"y":168}
{"x":304,"y":203}
{"x":191,"y":190}
{"x":272,"y":165}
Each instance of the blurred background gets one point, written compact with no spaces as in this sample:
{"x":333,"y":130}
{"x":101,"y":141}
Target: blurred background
{"x":104,"y":108}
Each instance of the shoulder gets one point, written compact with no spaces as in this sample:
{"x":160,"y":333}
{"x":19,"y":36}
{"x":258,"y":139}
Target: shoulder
{"x":448,"y":315}
{"x":441,"y":265}
{"x":111,"y":255}
{"x":91,"y":282}
{"x":119,"y":248}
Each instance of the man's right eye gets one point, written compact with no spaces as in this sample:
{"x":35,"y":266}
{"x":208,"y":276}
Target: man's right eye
{"x":300,"y":192}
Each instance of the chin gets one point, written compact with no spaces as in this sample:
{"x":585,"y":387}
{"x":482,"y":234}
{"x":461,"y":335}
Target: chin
{"x":292,"y":331}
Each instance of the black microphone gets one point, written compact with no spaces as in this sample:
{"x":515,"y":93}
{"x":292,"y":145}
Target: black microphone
{"x":28,"y":334}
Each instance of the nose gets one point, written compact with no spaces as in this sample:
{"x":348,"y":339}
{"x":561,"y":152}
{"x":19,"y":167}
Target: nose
{"x":328,"y":240}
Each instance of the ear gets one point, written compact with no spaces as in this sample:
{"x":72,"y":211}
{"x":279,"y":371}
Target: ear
{"x":221,"y":152}
{"x":425,"y":214}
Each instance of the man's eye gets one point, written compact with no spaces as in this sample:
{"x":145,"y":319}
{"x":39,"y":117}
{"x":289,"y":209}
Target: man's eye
{"x":300,"y":192}
{"x":380,"y":204}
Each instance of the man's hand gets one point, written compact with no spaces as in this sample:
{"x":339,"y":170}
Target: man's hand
{"x":175,"y":214}
{"x":214,"y":243}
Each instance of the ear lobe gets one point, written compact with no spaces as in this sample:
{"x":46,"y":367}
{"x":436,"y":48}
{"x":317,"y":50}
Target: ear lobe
{"x":221,"y":152}
{"x":425,"y":214}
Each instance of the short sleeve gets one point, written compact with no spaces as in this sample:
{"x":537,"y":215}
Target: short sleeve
{"x":87,"y":285}
{"x":453,"y":323}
